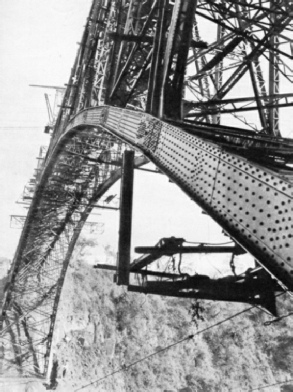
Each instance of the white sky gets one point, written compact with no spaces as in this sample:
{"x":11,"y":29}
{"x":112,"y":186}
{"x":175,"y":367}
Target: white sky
{"x":38,"y":46}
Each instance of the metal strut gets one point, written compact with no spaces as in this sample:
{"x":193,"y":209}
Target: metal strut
{"x":176,"y":53}
{"x":255,"y":288}
{"x":126,"y":197}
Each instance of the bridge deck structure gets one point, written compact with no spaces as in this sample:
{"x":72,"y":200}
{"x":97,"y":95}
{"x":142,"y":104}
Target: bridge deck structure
{"x":144,"y":79}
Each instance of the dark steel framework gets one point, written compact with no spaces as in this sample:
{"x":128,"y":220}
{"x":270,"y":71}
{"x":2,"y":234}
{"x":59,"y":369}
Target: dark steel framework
{"x":209,"y":86}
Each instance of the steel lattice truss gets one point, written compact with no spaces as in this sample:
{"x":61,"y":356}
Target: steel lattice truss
{"x":211,"y":87}
{"x":72,"y":184}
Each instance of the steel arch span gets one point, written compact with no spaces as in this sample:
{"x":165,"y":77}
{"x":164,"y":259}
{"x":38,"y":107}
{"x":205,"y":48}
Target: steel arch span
{"x":144,"y":79}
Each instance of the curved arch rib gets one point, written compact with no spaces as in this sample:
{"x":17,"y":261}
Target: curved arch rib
{"x":247,"y":199}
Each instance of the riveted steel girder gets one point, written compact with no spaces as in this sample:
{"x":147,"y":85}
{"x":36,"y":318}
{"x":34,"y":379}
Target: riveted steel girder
{"x":252,"y":203}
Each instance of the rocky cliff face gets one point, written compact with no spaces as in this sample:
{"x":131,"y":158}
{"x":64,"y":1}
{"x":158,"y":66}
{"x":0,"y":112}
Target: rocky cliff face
{"x":101,"y":329}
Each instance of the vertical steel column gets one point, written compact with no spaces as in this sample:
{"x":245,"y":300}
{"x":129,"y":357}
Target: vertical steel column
{"x":114,"y":59}
{"x":274,"y":75}
{"x":128,"y":29}
{"x":200,"y":62}
{"x":155,"y":78}
{"x":175,"y":59}
{"x":218,"y":75}
{"x":126,"y":195}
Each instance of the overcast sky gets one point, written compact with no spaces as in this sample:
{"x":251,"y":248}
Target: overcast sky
{"x":38,"y":46}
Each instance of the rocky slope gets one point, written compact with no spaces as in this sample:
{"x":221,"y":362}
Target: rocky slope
{"x":102,"y":328}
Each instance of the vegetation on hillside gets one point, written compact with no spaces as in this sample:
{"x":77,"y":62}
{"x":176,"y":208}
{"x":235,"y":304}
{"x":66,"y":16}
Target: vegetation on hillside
{"x":102,"y":328}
